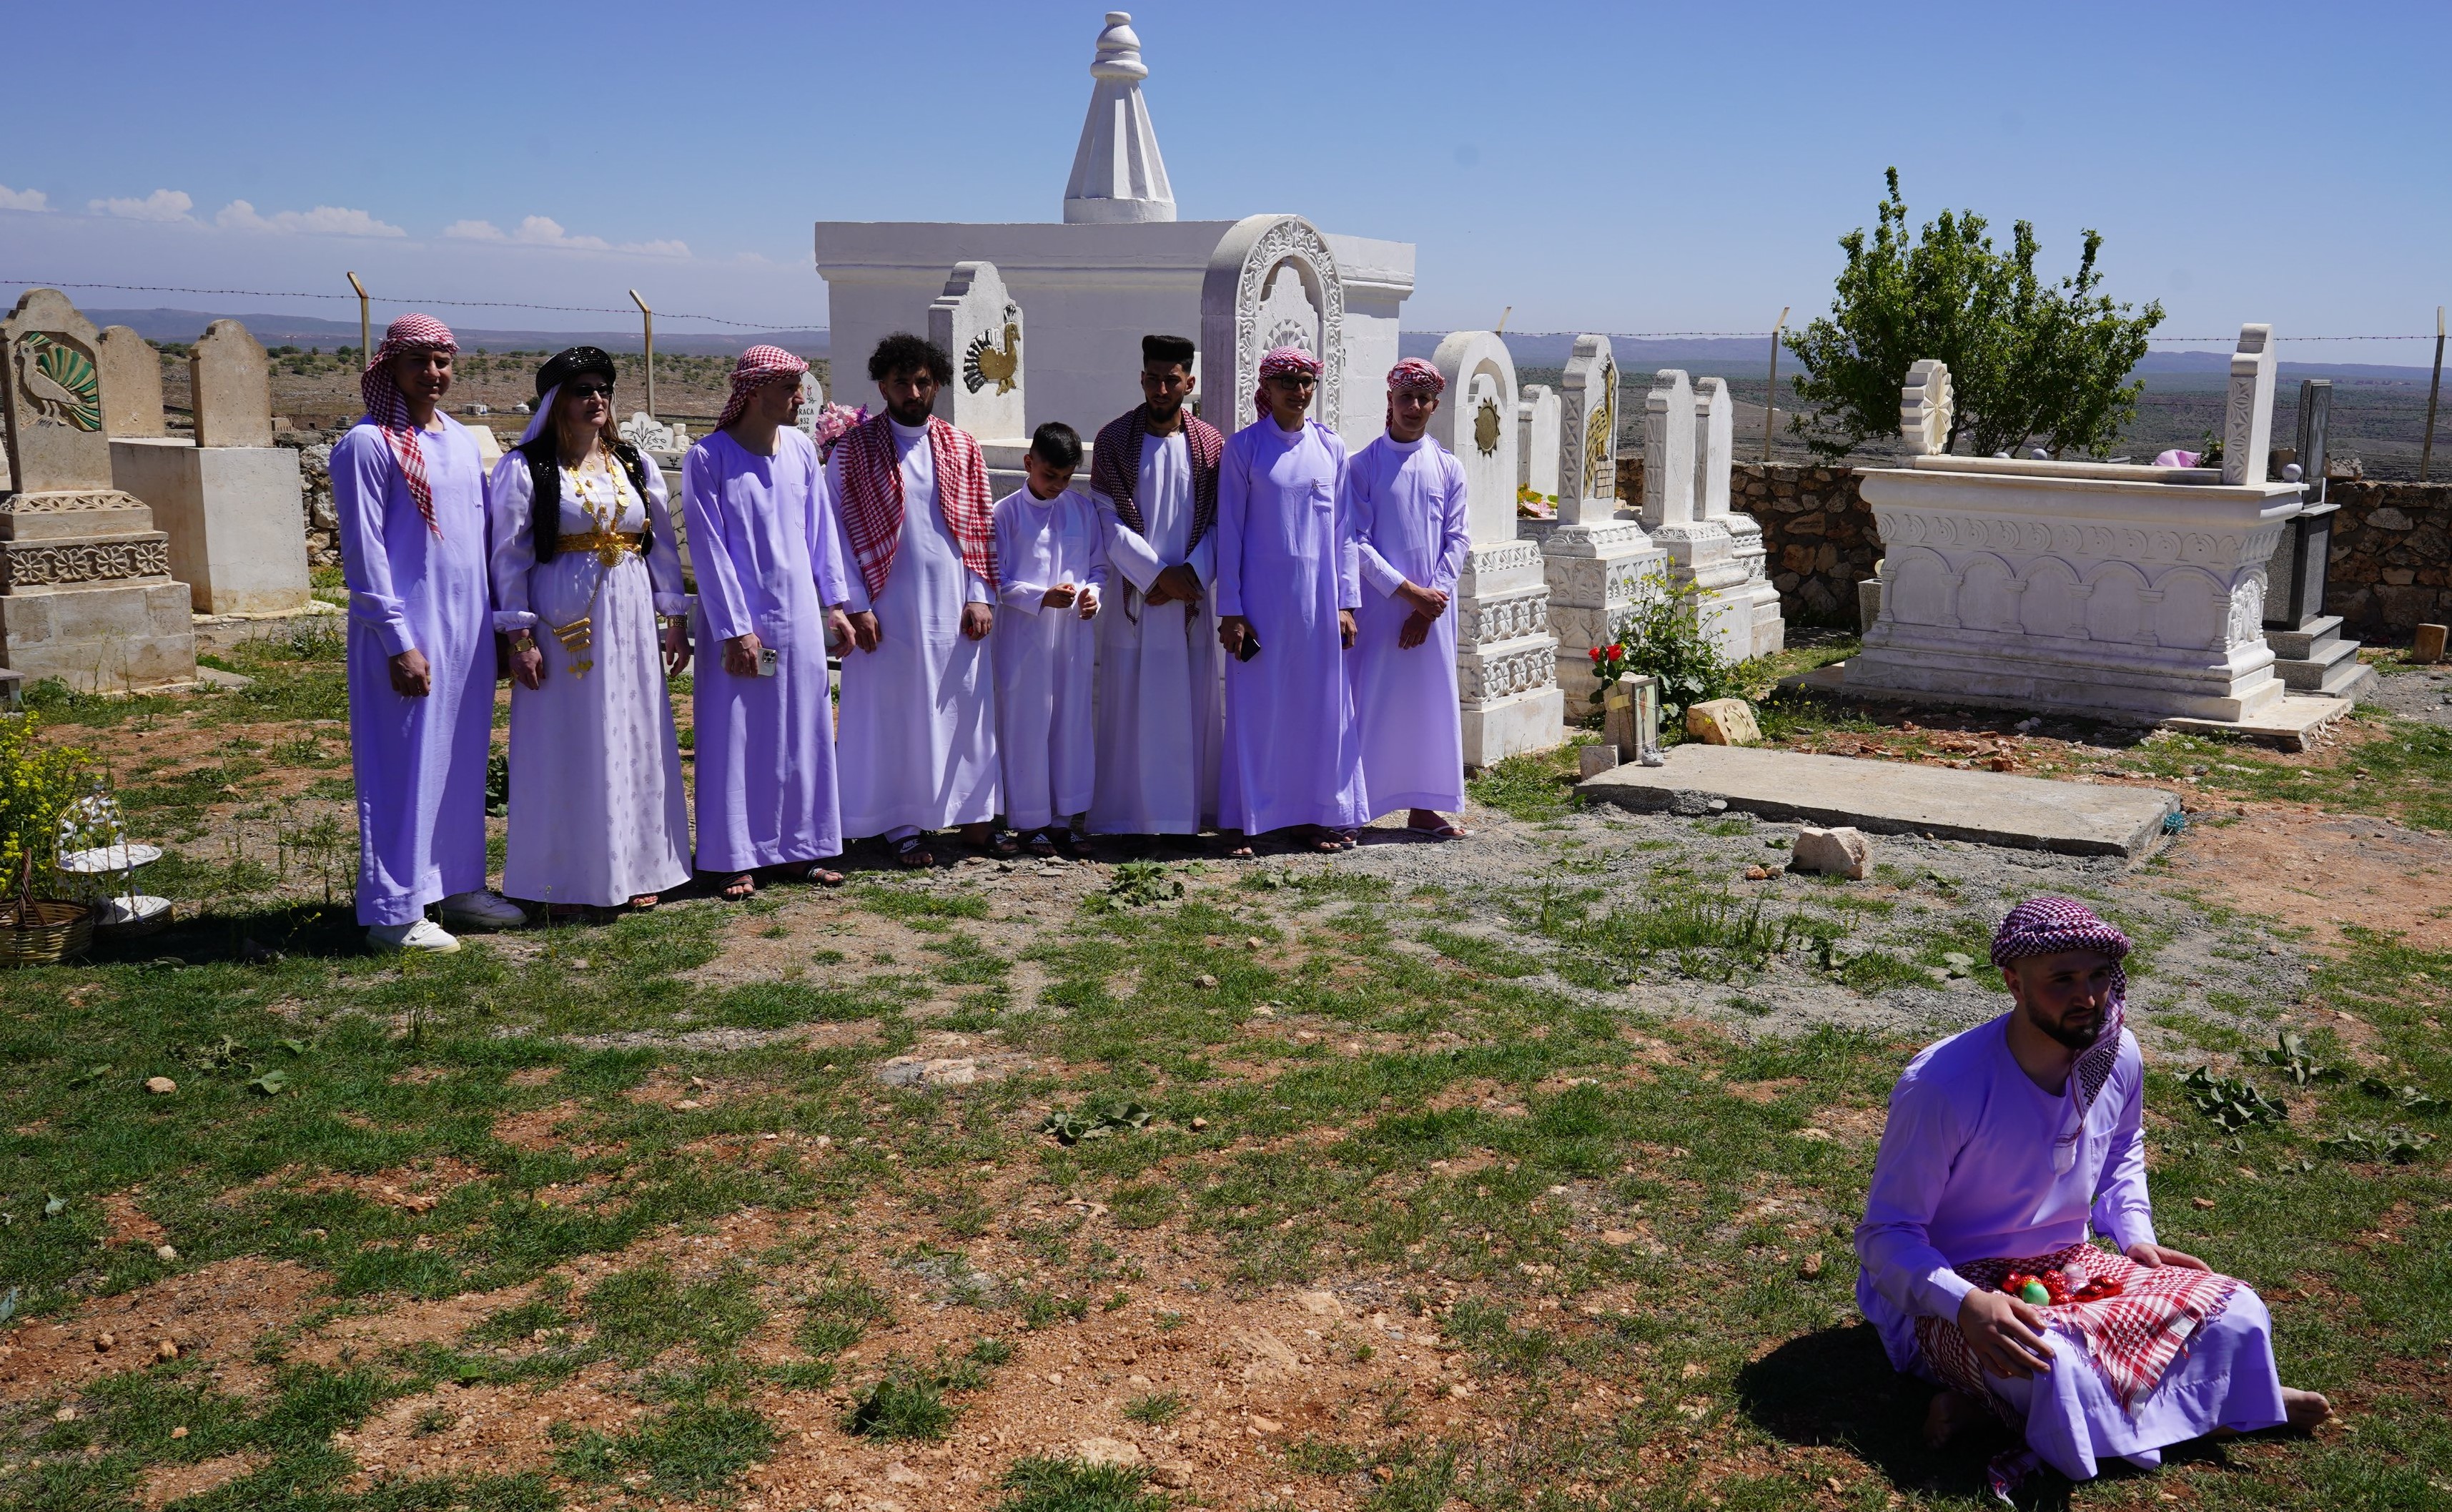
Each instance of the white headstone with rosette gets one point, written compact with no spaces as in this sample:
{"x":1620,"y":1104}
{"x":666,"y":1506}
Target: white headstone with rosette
{"x":1595,"y":554}
{"x":1506,"y":656}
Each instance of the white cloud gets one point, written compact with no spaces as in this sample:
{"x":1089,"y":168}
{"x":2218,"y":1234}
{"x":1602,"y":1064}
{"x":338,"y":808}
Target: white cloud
{"x":324,"y":220}
{"x":475,"y":231}
{"x":543,"y":231}
{"x":658,"y":249}
{"x":23,"y":199}
{"x":161,"y":204}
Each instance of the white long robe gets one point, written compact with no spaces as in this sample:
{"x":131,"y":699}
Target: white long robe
{"x":1161,"y":705}
{"x":1044,"y":657}
{"x":1406,"y":502}
{"x":916,"y":742}
{"x":597,"y":811}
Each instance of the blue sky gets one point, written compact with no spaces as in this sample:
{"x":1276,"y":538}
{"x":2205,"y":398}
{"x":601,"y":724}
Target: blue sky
{"x":1634,"y":167}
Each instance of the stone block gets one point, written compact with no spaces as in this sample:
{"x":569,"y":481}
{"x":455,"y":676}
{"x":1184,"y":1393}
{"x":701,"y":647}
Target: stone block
{"x":979,"y":326}
{"x":1723,"y":722}
{"x":75,"y":513}
{"x":232,"y":384}
{"x":50,"y":389}
{"x":2427,"y":644}
{"x":101,"y":637}
{"x":233,"y":516}
{"x":1841,"y":852}
{"x":1590,"y":761}
{"x":1868,"y":605}
{"x":131,"y":384}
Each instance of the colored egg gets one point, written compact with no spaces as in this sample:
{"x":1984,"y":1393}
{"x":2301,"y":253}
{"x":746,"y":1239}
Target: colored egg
{"x":2033,"y":1291}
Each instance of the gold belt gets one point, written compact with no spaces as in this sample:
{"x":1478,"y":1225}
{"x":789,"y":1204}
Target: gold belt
{"x":604,"y":540}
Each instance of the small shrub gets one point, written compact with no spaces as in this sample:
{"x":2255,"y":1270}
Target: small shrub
{"x":1157,"y":1409}
{"x":1074,"y":1486}
{"x":900,"y":1405}
{"x":1663,"y":636}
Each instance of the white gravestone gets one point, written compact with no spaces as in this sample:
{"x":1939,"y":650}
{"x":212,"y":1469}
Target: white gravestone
{"x":2109,"y":589}
{"x":2248,"y":418}
{"x":1751,"y":604}
{"x":813,"y":404}
{"x":1675,"y":457}
{"x":1506,"y":656}
{"x":1273,"y":282}
{"x":979,"y":325}
{"x":85,"y":591}
{"x":1536,"y":462}
{"x":1598,"y":559}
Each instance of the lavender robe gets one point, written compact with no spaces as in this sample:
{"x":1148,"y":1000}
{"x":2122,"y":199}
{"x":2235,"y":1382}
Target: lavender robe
{"x":597,"y":814}
{"x":761,"y":539}
{"x":1406,"y":505}
{"x":1045,"y":658}
{"x":420,"y":762}
{"x":1286,"y":563}
{"x":1966,"y":1173}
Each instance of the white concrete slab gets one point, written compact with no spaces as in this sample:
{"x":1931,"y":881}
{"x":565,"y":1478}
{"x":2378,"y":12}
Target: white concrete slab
{"x":1993,"y":809}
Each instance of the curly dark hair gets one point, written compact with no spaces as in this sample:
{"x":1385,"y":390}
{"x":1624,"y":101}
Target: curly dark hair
{"x":903,"y":352}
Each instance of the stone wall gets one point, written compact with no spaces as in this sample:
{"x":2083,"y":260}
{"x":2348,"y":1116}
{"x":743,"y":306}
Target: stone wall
{"x":1816,"y":530}
{"x":2392,"y":556}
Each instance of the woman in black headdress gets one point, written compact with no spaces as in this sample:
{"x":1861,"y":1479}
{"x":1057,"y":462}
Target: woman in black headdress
{"x":597,"y":819}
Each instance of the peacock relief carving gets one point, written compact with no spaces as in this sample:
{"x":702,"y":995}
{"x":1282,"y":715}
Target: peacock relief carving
{"x":59,"y":381}
{"x":985,"y":363}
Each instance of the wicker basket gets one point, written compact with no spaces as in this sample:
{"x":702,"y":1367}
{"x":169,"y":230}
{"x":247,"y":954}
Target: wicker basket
{"x":46,"y":930}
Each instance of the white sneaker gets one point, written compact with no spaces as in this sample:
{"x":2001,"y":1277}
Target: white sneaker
{"x":423,"y":935}
{"x":482,"y":910}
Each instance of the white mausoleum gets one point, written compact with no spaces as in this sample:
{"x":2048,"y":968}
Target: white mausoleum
{"x":1120,"y":266}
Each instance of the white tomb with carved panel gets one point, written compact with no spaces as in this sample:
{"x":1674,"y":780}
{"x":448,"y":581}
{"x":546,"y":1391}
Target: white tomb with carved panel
{"x":2102,"y":589}
{"x":1121,"y":267}
{"x":1677,"y":457}
{"x":1506,"y":656}
{"x":1596,"y":559}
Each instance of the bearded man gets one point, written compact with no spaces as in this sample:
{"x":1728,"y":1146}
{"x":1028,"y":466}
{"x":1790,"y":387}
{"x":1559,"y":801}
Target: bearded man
{"x":2005,"y":1144}
{"x":917,"y":738}
{"x":1161,"y":704}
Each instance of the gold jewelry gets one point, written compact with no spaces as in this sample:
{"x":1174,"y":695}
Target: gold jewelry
{"x":603,"y":542}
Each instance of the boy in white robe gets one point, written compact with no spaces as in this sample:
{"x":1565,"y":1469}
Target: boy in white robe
{"x":1054,"y":565}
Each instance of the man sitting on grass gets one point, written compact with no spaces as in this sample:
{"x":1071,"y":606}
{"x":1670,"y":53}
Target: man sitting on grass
{"x":2003,"y":1142}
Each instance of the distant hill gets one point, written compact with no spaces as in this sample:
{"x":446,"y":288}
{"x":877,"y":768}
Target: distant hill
{"x":306,"y":330}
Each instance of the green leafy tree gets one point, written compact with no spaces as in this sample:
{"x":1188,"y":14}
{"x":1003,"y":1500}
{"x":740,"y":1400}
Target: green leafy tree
{"x":2027,"y":358}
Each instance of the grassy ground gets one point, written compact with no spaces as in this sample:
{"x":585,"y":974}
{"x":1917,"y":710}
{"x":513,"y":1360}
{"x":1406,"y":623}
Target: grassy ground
{"x":1626,"y":1233}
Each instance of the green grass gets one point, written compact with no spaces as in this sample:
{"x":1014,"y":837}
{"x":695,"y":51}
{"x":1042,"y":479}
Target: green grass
{"x":1540,"y":785}
{"x":1037,"y":1485}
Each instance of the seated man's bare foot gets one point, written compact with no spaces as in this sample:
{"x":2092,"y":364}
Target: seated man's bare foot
{"x":1950,"y":1414}
{"x":2303,"y":1410}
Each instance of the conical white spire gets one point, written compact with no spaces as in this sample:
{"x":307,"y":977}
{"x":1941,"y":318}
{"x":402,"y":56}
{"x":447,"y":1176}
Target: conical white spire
{"x":1117,"y":175}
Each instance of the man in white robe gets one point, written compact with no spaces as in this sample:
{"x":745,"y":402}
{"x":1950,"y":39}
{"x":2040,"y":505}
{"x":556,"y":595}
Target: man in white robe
{"x":1053,"y":560}
{"x":916,"y":741}
{"x":1160,"y":706}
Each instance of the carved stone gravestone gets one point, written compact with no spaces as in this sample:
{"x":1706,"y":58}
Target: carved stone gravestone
{"x":1699,"y":551}
{"x":1753,"y":601}
{"x":2310,"y":654}
{"x":85,"y":593}
{"x":1272,"y":282}
{"x":979,"y":326}
{"x":131,"y":384}
{"x":232,"y":382}
{"x":1595,"y":558}
{"x":2247,"y":414}
{"x":1506,"y":656}
{"x":1536,"y":458}
{"x":813,"y":403}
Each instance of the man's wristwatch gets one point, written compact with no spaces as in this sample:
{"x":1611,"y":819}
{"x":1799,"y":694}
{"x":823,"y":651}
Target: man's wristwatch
{"x":522,"y":639}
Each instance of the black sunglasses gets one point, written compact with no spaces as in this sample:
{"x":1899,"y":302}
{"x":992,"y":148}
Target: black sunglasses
{"x":591,"y":390}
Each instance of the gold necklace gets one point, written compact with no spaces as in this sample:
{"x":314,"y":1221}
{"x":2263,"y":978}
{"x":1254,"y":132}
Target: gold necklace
{"x":578,"y":637}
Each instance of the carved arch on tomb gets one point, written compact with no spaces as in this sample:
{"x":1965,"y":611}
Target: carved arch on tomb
{"x":1922,"y":587}
{"x":2116,"y":610}
{"x":2054,"y":600}
{"x":1988,"y":595}
{"x":2194,"y":612}
{"x":1272,"y":280}
{"x":1475,"y":420}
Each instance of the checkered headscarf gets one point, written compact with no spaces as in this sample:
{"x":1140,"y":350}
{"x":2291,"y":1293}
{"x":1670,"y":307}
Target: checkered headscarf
{"x":1415,"y":376}
{"x":757,"y":367}
{"x":2042,"y":926}
{"x":1280,"y":361}
{"x":387,"y":408}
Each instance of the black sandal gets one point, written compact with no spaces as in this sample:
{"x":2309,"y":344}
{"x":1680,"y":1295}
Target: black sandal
{"x":913,"y":853}
{"x":1042,"y":845}
{"x":1000,"y":844}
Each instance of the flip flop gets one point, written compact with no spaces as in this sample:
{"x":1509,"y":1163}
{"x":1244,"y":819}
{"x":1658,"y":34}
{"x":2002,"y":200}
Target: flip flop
{"x":740,"y":886}
{"x":1001,"y":845}
{"x":1042,"y":845}
{"x":644,"y":902}
{"x":913,"y":853}
{"x":823,"y":877}
{"x":1444,"y":829}
{"x":1073,"y":845}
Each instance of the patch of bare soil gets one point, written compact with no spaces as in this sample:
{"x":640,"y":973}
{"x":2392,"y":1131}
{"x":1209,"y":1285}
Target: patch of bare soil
{"x":165,"y":1483}
{"x":214,"y":1311}
{"x":416,"y":1189}
{"x":2318,"y":869}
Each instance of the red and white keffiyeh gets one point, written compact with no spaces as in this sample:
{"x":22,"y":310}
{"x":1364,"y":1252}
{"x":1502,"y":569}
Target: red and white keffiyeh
{"x":1280,"y":362}
{"x":1415,"y":376}
{"x":872,"y":502}
{"x":387,"y":408}
{"x":2047,"y":926}
{"x":757,"y":367}
{"x":2130,"y":1338}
